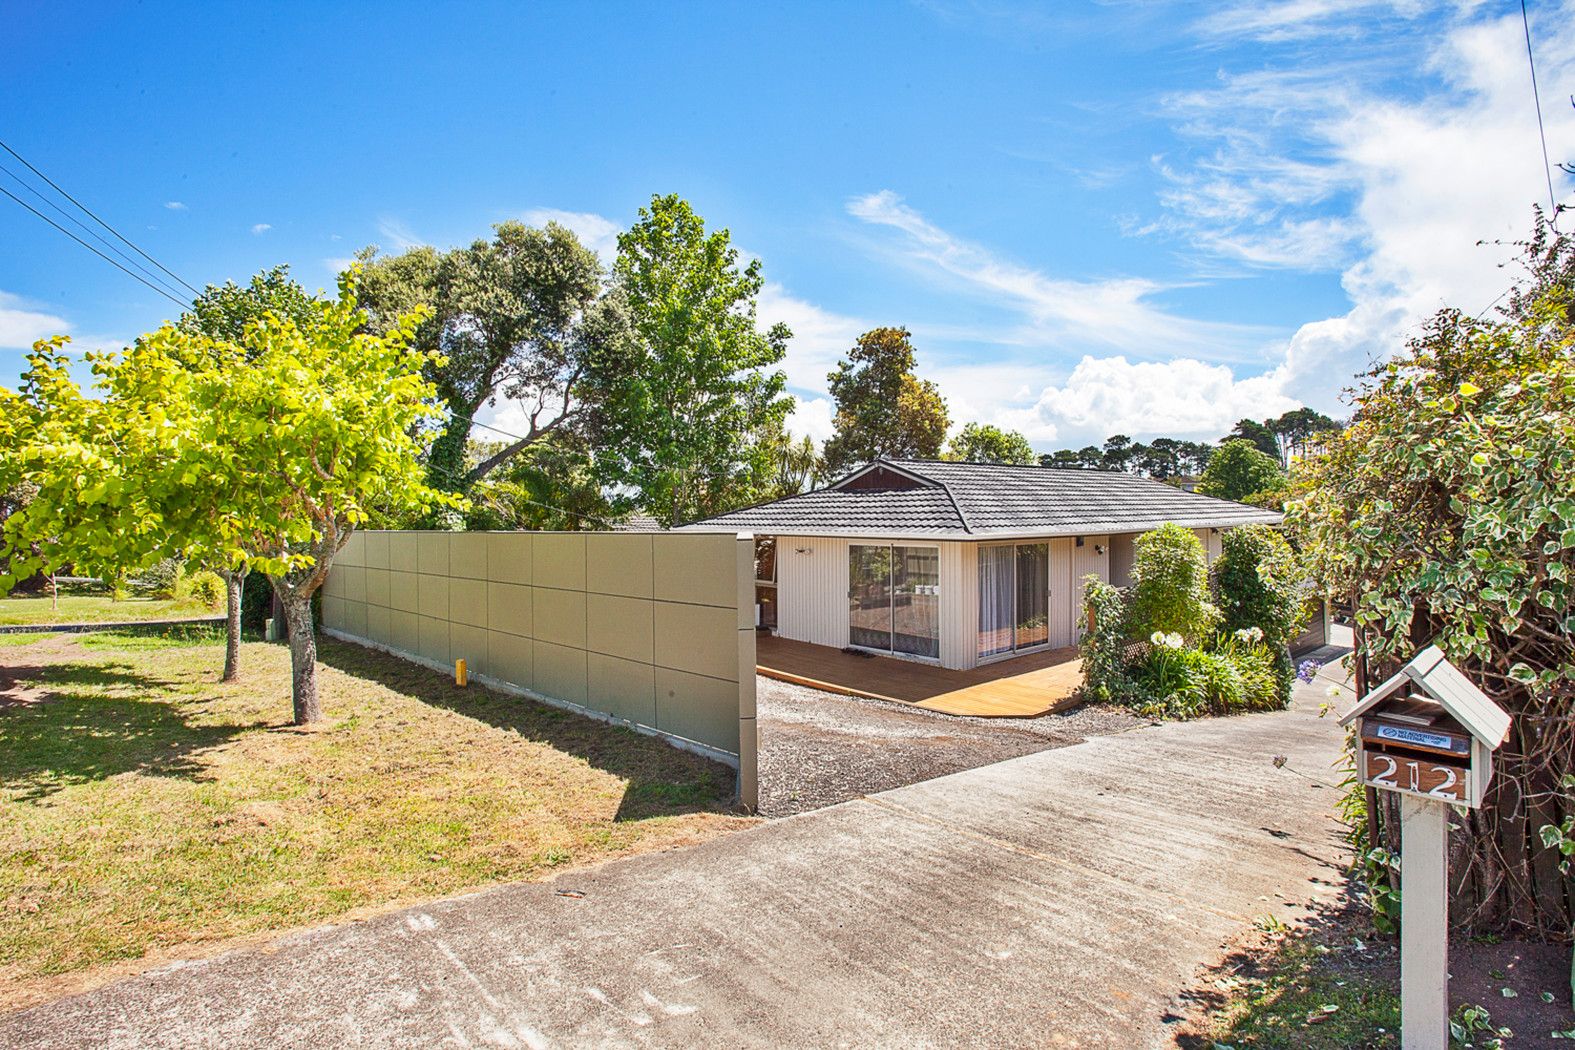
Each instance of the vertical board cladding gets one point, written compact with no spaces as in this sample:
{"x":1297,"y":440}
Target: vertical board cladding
{"x":959,"y":605}
{"x":1123,"y":553}
{"x":1066,"y":592}
{"x":652,"y":629}
{"x":1211,"y":540}
{"x":812,"y":589}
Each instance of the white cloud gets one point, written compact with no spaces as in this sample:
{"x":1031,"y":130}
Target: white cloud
{"x":260,"y":228}
{"x":820,"y":337}
{"x":1288,"y":20}
{"x":812,"y":417}
{"x":175,"y":205}
{"x":596,"y":232}
{"x":1117,"y":313}
{"x":21,"y":326}
{"x":1182,"y":398}
{"x":338,"y":265}
{"x":399,"y":236}
{"x":1333,"y":166}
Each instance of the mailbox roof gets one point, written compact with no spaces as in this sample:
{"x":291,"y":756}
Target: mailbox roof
{"x":1443,"y":681}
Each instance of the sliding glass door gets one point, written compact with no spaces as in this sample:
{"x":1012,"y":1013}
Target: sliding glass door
{"x":894,"y":599}
{"x":1014,"y":597}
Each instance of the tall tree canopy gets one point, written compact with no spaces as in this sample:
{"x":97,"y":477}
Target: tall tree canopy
{"x":883,"y":409}
{"x":686,"y":387}
{"x":223,"y":314}
{"x":514,"y":316}
{"x":1446,"y":514}
{"x":1256,"y":434}
{"x":1239,"y":471}
{"x":986,"y":443}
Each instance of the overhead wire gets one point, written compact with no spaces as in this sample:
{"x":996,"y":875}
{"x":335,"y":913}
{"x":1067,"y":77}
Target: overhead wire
{"x":134,"y":276}
{"x":1536,"y":97}
{"x":90,"y":213}
{"x":85,"y":228}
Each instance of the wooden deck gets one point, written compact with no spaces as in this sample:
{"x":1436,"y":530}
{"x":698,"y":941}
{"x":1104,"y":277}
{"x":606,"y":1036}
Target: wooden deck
{"x":1022,"y":687}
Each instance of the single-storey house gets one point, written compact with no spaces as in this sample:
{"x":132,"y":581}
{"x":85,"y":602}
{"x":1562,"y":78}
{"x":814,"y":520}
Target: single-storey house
{"x":956,"y":564}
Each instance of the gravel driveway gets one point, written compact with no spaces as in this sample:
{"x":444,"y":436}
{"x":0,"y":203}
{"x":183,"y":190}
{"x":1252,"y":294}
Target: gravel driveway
{"x":817,"y":749}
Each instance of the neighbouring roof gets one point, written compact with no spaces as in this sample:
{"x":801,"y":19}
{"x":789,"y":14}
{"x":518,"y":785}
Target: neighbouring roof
{"x":637,"y":523}
{"x":940,"y":499}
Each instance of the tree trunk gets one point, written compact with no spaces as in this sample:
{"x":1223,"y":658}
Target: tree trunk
{"x":233,"y":582}
{"x":303,"y":659}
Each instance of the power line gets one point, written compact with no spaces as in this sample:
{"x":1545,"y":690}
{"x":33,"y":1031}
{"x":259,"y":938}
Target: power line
{"x":95,"y":251}
{"x":1536,"y":96}
{"x":84,"y":227}
{"x":94,"y":217}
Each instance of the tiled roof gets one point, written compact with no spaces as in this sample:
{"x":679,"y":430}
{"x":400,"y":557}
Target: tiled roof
{"x":985,"y":499}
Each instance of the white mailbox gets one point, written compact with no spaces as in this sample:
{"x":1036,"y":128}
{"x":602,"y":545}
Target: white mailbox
{"x":1429,"y":732}
{"x":1428,"y":735}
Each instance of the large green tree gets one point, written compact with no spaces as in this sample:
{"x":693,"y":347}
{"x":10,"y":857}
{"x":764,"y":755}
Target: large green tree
{"x":285,"y":441}
{"x":223,"y":313}
{"x":1256,"y":434}
{"x":511,"y":317}
{"x":1239,"y":470}
{"x":987,"y":443}
{"x":685,"y":385}
{"x":1445,"y":513}
{"x":883,"y":409}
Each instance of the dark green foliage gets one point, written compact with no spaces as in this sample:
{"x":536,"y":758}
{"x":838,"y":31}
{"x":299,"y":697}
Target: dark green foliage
{"x":512,"y":316}
{"x":1258,"y":435}
{"x":883,"y":409}
{"x":1103,"y":649}
{"x":1259,"y":583}
{"x":1170,"y":589}
{"x":1238,"y":470}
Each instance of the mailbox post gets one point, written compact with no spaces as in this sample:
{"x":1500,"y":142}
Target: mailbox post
{"x":1428,"y":735}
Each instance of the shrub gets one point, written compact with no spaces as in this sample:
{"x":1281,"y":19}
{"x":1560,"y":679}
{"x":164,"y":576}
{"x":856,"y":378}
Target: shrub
{"x":1103,"y":649}
{"x":1184,"y":683}
{"x":207,"y":588}
{"x":162,"y":579}
{"x":1170,"y":591}
{"x":1258,"y":582}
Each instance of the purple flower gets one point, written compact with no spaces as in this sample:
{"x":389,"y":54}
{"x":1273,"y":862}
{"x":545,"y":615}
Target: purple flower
{"x":1307,"y":670}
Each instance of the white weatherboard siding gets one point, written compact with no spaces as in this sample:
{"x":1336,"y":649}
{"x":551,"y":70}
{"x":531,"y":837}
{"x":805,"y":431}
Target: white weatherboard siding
{"x":959,"y":603}
{"x":1066,"y":592}
{"x":812,"y":589}
{"x":1123,"y":552}
{"x":1211,"y":542}
{"x":812,"y":592}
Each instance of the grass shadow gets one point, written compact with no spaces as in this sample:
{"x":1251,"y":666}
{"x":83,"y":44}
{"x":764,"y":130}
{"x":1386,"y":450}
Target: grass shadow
{"x":1329,"y":982}
{"x":662,"y":780}
{"x":81,"y":726}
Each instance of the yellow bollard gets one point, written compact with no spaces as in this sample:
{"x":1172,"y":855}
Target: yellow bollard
{"x":461,"y":676}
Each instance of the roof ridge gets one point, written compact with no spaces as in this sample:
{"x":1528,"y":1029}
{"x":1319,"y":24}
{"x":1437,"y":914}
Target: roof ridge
{"x":961,"y":515}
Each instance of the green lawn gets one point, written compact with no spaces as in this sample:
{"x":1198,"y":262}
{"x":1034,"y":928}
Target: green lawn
{"x":144,"y":806}
{"x":77,"y":608}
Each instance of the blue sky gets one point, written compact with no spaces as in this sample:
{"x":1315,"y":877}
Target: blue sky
{"x":1136,"y":217}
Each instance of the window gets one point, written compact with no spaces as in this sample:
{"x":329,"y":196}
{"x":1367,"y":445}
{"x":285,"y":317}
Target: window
{"x":894,"y":599}
{"x":1014,"y":597}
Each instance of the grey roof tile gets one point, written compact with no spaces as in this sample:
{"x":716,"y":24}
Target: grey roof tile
{"x":983,"y":499}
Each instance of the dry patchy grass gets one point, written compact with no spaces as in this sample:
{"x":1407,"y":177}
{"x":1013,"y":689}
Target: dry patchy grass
{"x":145,"y":808}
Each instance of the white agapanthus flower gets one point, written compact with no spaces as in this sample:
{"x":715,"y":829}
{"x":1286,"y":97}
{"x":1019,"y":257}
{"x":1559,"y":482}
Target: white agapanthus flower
{"x":1251,"y":635}
{"x":1167,"y":641}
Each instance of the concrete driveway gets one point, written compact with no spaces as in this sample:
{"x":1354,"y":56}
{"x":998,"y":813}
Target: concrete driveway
{"x":1062,"y":898}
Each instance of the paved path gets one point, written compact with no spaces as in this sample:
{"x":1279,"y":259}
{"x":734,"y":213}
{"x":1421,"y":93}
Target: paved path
{"x":1061,"y":898}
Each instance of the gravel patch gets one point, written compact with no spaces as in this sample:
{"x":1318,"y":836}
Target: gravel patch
{"x":818,"y":749}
